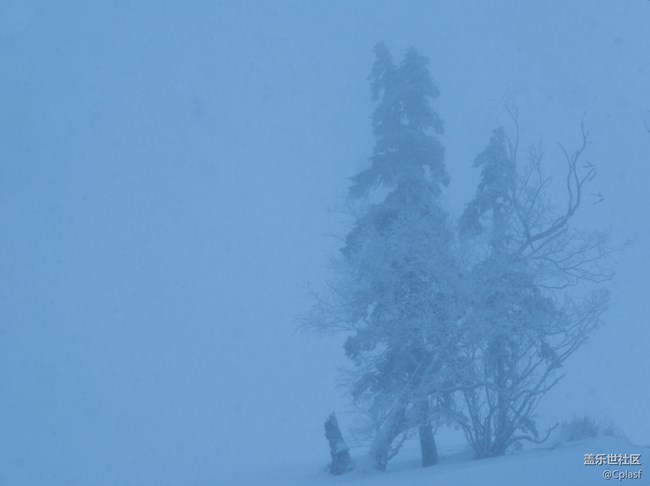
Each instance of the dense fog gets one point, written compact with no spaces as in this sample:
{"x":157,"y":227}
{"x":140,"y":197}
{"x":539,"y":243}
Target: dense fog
{"x":173,"y":180}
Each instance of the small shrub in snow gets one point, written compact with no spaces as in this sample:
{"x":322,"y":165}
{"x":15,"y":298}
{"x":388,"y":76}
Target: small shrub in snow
{"x":580,"y":428}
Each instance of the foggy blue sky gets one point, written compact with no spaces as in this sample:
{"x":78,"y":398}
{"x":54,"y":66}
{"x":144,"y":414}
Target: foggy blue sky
{"x":169,"y":174}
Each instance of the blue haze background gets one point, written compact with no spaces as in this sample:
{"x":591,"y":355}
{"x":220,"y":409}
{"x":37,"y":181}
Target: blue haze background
{"x":169,"y":173}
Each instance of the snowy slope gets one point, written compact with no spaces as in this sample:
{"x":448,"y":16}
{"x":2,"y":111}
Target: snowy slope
{"x":563,"y":465}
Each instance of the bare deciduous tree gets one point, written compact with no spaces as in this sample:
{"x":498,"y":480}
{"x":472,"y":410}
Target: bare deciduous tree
{"x":526,"y":315}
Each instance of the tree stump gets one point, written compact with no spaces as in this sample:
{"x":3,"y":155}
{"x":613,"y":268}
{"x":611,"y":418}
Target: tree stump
{"x":341,"y":462}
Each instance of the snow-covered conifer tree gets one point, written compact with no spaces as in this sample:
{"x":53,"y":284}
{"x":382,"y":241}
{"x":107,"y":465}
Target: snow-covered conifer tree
{"x":394,"y":294}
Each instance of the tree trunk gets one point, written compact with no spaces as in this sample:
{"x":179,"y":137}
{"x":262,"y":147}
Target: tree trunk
{"x":341,"y":462}
{"x":383,"y":448}
{"x":428,"y":446}
{"x":379,"y":453}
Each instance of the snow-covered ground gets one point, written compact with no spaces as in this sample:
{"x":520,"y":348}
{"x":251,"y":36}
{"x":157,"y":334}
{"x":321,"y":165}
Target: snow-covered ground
{"x":562,"y":465}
